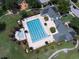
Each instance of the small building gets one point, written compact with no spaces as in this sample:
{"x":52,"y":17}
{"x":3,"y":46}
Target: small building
{"x":23,"y":5}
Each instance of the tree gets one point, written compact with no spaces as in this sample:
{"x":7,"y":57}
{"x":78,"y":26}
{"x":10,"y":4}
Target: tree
{"x":46,"y":18}
{"x":33,"y":3}
{"x":2,"y":26}
{"x":54,"y":1}
{"x":1,"y":12}
{"x":4,"y":58}
{"x":9,"y":4}
{"x":4,"y":8}
{"x":52,"y":29}
{"x":74,"y":1}
{"x":23,"y":14}
{"x":63,"y":6}
{"x":76,"y":37}
{"x":75,"y":24}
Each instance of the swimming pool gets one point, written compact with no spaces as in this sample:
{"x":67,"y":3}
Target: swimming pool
{"x":36,"y":30}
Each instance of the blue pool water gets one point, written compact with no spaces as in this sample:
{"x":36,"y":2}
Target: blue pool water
{"x":36,"y":30}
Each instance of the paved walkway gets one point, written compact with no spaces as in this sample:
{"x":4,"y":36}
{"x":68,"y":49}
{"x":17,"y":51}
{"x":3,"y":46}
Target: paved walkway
{"x":64,"y":50}
{"x":8,"y":13}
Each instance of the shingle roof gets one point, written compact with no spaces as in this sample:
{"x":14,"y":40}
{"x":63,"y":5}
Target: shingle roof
{"x":64,"y":32}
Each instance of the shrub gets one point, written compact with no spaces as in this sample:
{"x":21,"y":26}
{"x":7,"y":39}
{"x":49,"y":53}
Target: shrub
{"x":52,"y":47}
{"x":1,"y":12}
{"x":52,"y":29}
{"x":46,"y":18}
{"x":4,"y":57}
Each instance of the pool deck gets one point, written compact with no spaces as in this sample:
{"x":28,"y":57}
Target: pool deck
{"x":50,"y":38}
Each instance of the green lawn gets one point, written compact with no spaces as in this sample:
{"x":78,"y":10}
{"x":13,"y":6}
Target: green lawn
{"x":8,"y":48}
{"x":14,"y":51}
{"x":67,"y":18}
{"x":71,"y":55}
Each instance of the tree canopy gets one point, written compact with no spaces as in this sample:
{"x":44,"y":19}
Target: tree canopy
{"x":11,"y":4}
{"x":34,"y":4}
{"x":75,"y":22}
{"x":74,"y":1}
{"x":52,"y":30}
{"x":54,"y":1}
{"x":1,"y":12}
{"x":23,"y":13}
{"x":2,"y":26}
{"x":8,"y":3}
{"x":63,"y":6}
